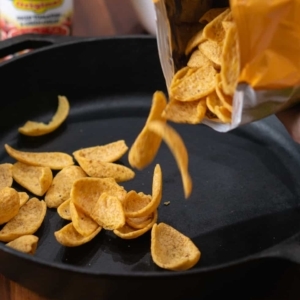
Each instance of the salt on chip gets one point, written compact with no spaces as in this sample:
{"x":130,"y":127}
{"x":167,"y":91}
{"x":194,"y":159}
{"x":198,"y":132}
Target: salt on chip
{"x":108,"y":212}
{"x":64,"y":210}
{"x":53,"y":160}
{"x":211,"y":14}
{"x":6,"y":179}
{"x":136,"y":205}
{"x":214,"y":30}
{"x":106,"y":153}
{"x":69,"y":237}
{"x":192,"y":112}
{"x":23,"y":198}
{"x":32,"y":128}
{"x":194,"y":42}
{"x":129,"y":233}
{"x":28,"y":220}
{"x":26,"y":244}
{"x":178,"y":149}
{"x":98,"y":169}
{"x":9,"y":204}
{"x":147,"y":143}
{"x":230,"y":61}
{"x":86,"y":192}
{"x":190,"y":84}
{"x":37,"y":180}
{"x":212,"y":50}
{"x":61,"y":186}
{"x":83,"y":224}
{"x":172,"y":250}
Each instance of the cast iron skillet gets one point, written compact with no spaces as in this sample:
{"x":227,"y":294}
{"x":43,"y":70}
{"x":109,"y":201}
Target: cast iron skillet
{"x":244,"y":211}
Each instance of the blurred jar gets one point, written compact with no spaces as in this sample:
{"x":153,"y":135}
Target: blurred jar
{"x":146,"y":14}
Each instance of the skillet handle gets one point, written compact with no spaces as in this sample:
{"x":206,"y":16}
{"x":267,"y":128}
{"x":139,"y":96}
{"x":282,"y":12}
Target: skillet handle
{"x":289,"y":250}
{"x":31,"y":41}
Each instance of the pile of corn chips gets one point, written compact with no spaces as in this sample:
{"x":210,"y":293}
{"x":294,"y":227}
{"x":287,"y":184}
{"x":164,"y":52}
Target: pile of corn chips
{"x":90,"y":197}
{"x":205,"y":87}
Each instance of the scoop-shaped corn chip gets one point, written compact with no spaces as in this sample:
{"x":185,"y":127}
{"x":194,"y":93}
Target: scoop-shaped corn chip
{"x":129,"y":233}
{"x":6,"y":179}
{"x":107,"y":153}
{"x":99,"y":169}
{"x":223,"y":114}
{"x":198,"y":59}
{"x":61,"y":186}
{"x":139,"y":223}
{"x":28,"y":220}
{"x":214,"y":30}
{"x":194,"y":42}
{"x":108,"y":212}
{"x":147,"y":143}
{"x":135,"y":202}
{"x":172,"y":250}
{"x":64,"y":210}
{"x":86,"y":192}
{"x":69,"y":237}
{"x":226,"y":100}
{"x":178,"y":149}
{"x":23,"y":198}
{"x":9,"y":204}
{"x":37,"y":180}
{"x":230,"y":61}
{"x":211,"y":14}
{"x":139,"y":206}
{"x":53,"y":160}
{"x":192,"y":112}
{"x":83,"y":224}
{"x":190,"y":84}
{"x":26,"y":244}
{"x":213,"y":101}
{"x":212,"y":50}
{"x":32,"y":128}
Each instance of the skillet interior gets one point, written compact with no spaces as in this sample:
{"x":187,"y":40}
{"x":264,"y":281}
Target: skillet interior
{"x":245,"y":196}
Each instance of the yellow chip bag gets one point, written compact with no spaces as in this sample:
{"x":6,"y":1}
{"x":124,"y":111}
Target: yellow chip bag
{"x":6,"y":179}
{"x":190,"y":84}
{"x":147,"y":143}
{"x":138,"y":205}
{"x":53,"y":160}
{"x":37,"y":180}
{"x":230,"y":61}
{"x":192,"y":112}
{"x":172,"y":250}
{"x":86,"y":192}
{"x":99,"y":169}
{"x":108,"y":212}
{"x":107,"y":153}
{"x":37,"y":129}
{"x":23,"y":198}
{"x":83,"y":224}
{"x":129,"y":233}
{"x":69,"y":237}
{"x":28,"y":220}
{"x":178,"y":149}
{"x":61,"y":186}
{"x":9,"y":204}
{"x":64,"y":210}
{"x":26,"y":244}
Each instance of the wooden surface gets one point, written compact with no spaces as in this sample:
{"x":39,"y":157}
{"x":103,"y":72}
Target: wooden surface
{"x":92,"y":18}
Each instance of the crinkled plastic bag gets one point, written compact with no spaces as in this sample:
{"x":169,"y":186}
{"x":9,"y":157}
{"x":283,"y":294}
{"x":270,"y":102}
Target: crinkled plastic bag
{"x":269,"y":44}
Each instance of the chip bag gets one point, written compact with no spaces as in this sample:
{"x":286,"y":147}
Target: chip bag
{"x":251,"y":48}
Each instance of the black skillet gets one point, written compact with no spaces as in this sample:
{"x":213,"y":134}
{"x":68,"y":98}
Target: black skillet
{"x":244,"y":211}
